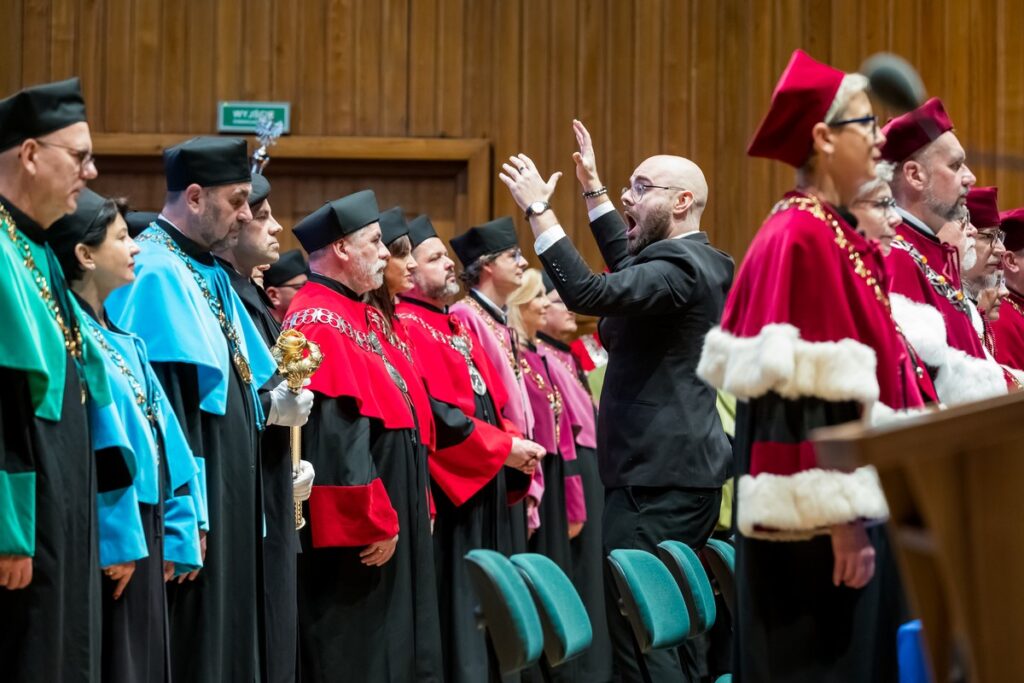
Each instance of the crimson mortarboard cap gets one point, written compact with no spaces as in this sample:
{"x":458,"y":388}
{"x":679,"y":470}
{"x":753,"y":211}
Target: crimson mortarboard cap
{"x":337,"y":218}
{"x":1012,"y":223}
{"x":421,"y":230}
{"x":291,"y":264}
{"x":206,"y":161}
{"x":981,"y":203}
{"x":481,"y":240}
{"x":909,"y":132}
{"x":41,"y":109}
{"x":802,"y":97}
{"x":393,"y":225}
{"x":260,"y":189}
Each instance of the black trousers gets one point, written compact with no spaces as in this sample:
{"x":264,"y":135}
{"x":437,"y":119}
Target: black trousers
{"x":641,"y":518}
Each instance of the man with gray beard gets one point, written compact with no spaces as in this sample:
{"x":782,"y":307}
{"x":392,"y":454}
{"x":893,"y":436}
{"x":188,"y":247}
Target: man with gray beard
{"x":367,"y":603}
{"x":930,"y":250}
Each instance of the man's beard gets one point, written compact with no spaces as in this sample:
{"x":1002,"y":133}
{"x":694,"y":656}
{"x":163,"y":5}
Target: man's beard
{"x":654,"y":228}
{"x":371,"y":273}
{"x":947,"y":212}
{"x":210,"y":227}
{"x":970,"y":256}
{"x":445,"y":292}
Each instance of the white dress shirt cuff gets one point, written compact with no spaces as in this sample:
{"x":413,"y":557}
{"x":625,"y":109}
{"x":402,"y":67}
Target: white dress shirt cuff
{"x":600,"y":210}
{"x":547,"y":238}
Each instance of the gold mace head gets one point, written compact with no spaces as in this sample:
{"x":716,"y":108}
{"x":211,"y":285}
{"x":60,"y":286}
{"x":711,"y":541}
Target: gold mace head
{"x":297,"y":358}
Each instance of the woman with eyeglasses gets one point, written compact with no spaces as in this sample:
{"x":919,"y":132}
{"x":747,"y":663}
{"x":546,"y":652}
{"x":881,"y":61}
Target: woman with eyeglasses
{"x":807,"y":341}
{"x":150,"y":514}
{"x":875,"y":208}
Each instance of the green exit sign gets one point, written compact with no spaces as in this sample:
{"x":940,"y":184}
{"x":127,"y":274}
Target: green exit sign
{"x":243,"y":117}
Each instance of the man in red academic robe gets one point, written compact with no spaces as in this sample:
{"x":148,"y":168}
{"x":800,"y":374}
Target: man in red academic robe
{"x":1008,"y":330}
{"x":932,"y":244}
{"x":481,"y":464}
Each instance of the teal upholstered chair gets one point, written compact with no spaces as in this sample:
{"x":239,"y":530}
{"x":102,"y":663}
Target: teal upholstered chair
{"x":564,"y":619}
{"x":689,"y":574}
{"x":720,"y":558}
{"x":506,"y":610}
{"x":649,"y":599}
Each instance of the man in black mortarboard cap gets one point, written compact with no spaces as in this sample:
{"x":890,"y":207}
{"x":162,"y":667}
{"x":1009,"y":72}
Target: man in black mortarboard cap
{"x":282,"y":279}
{"x":138,"y":221}
{"x":213,"y":361}
{"x":257,"y":249}
{"x":366,"y":573}
{"x":49,"y":578}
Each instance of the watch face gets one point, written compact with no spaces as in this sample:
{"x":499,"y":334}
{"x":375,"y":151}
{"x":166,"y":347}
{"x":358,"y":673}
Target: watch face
{"x":538,"y":207}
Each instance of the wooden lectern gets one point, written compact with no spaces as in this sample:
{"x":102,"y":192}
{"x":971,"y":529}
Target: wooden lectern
{"x":955,"y":484}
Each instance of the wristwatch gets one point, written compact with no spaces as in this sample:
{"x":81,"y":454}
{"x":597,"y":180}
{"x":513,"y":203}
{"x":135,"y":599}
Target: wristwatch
{"x":536,"y":208}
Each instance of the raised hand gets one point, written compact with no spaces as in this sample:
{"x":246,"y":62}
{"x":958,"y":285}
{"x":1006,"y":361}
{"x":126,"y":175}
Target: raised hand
{"x":525,"y":182}
{"x":586,"y":162}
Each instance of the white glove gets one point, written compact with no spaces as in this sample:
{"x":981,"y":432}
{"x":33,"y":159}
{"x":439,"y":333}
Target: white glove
{"x":288,"y":409}
{"x":302,"y":481}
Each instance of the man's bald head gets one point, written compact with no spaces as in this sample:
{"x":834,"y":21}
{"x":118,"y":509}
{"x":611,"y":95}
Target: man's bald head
{"x":666,"y":197}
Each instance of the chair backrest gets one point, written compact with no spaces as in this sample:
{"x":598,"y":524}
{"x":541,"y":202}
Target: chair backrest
{"x":720,"y":558}
{"x":687,"y":570}
{"x":649,"y":599}
{"x":567,"y":629}
{"x":507,"y":609}
{"x":910,"y":653}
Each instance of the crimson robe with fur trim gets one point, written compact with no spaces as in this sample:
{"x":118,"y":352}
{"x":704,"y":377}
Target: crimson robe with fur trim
{"x":1009,"y":332}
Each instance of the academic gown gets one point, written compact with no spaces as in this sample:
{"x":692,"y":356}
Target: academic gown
{"x":1008,"y":332}
{"x":587,"y":549}
{"x":156,"y":517}
{"x":795,"y":357}
{"x":49,"y":630}
{"x":214,"y":620}
{"x":280,"y":542}
{"x":358,"y":622}
{"x":471,"y":486}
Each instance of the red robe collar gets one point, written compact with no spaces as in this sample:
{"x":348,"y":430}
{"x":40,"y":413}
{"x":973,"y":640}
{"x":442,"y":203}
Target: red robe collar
{"x":1009,"y":332}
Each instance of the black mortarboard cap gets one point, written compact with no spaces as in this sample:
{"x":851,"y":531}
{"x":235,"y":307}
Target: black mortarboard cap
{"x":260,"y":189}
{"x":71,"y":228}
{"x":393,"y":225}
{"x":207,"y":162}
{"x":490,"y":238}
{"x":138,"y":221}
{"x":546,"y":279}
{"x":291,"y":264}
{"x":41,"y":109}
{"x":337,"y":218}
{"x":420,"y":230}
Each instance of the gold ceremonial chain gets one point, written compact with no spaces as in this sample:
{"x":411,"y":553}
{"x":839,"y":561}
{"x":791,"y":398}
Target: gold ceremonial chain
{"x":367,"y":341}
{"x":813,"y":206}
{"x":554,"y":396}
{"x":489,"y":321}
{"x":377,"y":320}
{"x":461,"y":343}
{"x":938,"y":281}
{"x":1015,"y":306}
{"x":557,"y":355}
{"x":72,"y":336}
{"x":230,"y":333}
{"x":149,"y":408}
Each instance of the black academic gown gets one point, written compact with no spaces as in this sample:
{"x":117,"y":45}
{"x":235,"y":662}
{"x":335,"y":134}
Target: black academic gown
{"x":214,"y":620}
{"x":360,"y":623}
{"x":50,"y":630}
{"x":279,"y":607}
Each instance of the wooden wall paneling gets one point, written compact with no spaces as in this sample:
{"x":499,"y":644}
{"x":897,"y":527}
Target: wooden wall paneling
{"x":593,"y":93}
{"x":173,"y":57}
{"x":452,"y":32}
{"x":90,"y":61}
{"x":340,"y":70}
{"x":423,"y":71}
{"x":63,"y":38}
{"x":394,"y":67}
{"x":507,"y":93}
{"x":257,"y":49}
{"x":535,"y":107}
{"x":367,"y":22}
{"x":35,"y":37}
{"x":201,"y":59}
{"x":147,"y":85}
{"x":706,"y":109}
{"x":478,"y":57}
{"x":118,"y":41}
{"x":613,"y":137}
{"x":228,"y":64}
{"x":11,"y":46}
{"x":563,"y":99}
{"x":651,"y":38}
{"x":309,"y":105}
{"x":735,"y":217}
{"x":980,"y":94}
{"x":1010,"y":110}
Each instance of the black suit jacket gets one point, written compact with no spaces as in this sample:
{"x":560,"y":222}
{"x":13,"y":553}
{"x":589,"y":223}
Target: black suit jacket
{"x":658,"y":424}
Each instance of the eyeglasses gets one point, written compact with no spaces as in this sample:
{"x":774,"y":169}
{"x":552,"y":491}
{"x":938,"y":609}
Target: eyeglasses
{"x":863,"y":120}
{"x":82,"y":157}
{"x":992,"y":236}
{"x":885,"y":204}
{"x":295,"y":287}
{"x":516,"y":253}
{"x":639,"y":189}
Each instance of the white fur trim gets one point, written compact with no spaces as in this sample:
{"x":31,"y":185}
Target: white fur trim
{"x":960,"y":377}
{"x":806,"y":504}
{"x":881,"y":415}
{"x":778,"y":360}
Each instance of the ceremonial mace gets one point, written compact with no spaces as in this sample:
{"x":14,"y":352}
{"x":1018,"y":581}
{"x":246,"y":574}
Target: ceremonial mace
{"x":267,"y":132}
{"x":297,"y":359}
